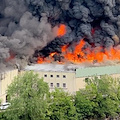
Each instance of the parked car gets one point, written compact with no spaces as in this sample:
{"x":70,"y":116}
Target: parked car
{"x":4,"y":106}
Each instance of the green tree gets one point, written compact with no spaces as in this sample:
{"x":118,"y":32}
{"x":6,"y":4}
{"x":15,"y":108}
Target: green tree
{"x":84,"y":107}
{"x":28,"y":98}
{"x":100,"y":98}
{"x":61,"y":106}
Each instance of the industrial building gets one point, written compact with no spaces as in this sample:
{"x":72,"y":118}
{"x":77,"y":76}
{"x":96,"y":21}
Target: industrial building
{"x":70,"y":78}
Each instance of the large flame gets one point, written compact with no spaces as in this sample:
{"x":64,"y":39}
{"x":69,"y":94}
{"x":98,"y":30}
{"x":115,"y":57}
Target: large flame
{"x":80,"y":55}
{"x":97,"y":54}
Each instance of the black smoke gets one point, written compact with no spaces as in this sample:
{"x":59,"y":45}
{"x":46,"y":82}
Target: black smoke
{"x":81,"y":17}
{"x":29,"y":25}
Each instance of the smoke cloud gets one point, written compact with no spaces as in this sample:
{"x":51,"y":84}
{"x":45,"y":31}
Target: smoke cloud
{"x":21,"y":33}
{"x":27,"y":26}
{"x":81,"y":18}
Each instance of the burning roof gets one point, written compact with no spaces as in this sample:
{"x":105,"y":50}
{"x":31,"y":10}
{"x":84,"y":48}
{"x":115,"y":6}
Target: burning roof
{"x":64,"y":31}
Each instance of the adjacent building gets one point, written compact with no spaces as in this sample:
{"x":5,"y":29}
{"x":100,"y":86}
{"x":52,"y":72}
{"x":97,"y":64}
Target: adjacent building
{"x":6,"y":79}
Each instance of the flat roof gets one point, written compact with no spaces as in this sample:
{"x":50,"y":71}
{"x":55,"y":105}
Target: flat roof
{"x":79,"y":70}
{"x":53,"y":67}
{"x":91,"y":71}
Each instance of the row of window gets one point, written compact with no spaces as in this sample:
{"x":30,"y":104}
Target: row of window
{"x":58,"y":85}
{"x":64,"y":76}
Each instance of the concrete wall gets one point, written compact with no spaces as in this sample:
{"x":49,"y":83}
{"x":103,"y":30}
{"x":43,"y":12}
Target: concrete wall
{"x":65,"y":80}
{"x":115,"y":75}
{"x":80,"y":83}
{"x":5,"y":80}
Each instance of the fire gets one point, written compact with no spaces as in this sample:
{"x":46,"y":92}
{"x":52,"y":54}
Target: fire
{"x":76,"y":55}
{"x":61,"y":30}
{"x":81,"y":54}
{"x":12,"y":56}
{"x":41,"y":60}
{"x":91,"y":55}
{"x":53,"y":53}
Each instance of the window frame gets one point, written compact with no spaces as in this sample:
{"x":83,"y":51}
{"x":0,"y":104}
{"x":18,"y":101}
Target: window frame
{"x":51,"y":76}
{"x":64,"y":76}
{"x":51,"y":85}
{"x":57,"y":76}
{"x":64,"y":85}
{"x":58,"y":85}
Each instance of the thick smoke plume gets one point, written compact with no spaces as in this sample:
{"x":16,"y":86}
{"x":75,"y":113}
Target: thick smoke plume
{"x":97,"y":21}
{"x":29,"y":25}
{"x":21,"y":32}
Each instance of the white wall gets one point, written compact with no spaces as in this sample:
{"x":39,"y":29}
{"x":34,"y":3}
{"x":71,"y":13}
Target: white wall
{"x":5,"y":81}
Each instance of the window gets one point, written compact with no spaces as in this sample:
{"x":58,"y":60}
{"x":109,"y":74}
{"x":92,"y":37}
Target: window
{"x":51,"y":75}
{"x":58,"y":85}
{"x":58,"y":76}
{"x":64,"y":85}
{"x":45,"y":75}
{"x":64,"y":76}
{"x":51,"y":85}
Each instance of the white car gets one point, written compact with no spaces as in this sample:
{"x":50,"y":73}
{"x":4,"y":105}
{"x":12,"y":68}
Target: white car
{"x":4,"y":106}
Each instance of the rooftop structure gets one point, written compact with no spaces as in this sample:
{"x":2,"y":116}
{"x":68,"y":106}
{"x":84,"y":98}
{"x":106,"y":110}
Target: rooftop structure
{"x":80,"y":71}
{"x":54,"y":67}
{"x":92,"y":71}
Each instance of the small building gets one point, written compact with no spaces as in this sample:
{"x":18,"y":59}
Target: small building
{"x":56,"y":76}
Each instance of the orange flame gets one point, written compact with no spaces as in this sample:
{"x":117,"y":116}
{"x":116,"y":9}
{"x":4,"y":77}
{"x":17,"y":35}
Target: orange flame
{"x":76,"y":55}
{"x":61,"y":30}
{"x":96,"y":54}
{"x":80,"y":55}
{"x":41,"y":60}
{"x":53,"y":53}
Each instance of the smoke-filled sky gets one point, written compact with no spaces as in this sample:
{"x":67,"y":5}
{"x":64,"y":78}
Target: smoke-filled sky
{"x":28,"y":25}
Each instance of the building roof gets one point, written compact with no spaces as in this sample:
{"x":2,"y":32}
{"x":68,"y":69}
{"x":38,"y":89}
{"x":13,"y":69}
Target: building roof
{"x":53,"y":67}
{"x":91,"y":71}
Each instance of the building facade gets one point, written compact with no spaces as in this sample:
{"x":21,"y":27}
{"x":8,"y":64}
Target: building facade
{"x":6,"y":79}
{"x":70,"y":79}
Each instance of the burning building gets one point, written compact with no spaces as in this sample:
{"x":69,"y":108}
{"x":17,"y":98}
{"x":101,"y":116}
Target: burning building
{"x":81,"y":32}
